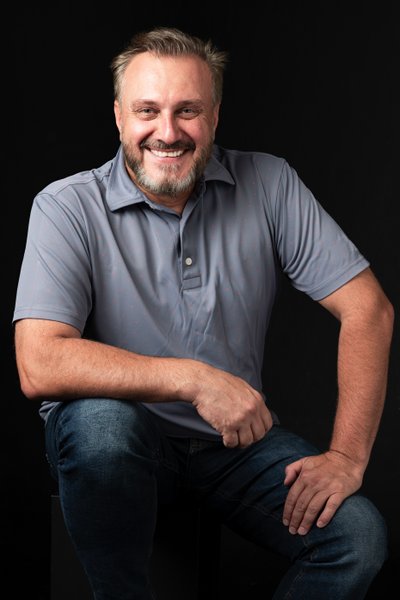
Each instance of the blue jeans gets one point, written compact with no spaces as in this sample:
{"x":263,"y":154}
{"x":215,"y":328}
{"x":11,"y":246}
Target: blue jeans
{"x":113,"y":465}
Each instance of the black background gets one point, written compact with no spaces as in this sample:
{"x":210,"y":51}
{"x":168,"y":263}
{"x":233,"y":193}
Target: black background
{"x":316,"y":83}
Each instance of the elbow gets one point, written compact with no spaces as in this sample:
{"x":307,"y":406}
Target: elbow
{"x":32,"y":385}
{"x":380,"y":315}
{"x":387,"y":316}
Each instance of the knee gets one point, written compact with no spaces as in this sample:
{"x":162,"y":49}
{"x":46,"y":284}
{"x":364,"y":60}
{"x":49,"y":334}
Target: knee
{"x":364,"y":533}
{"x":101,"y":436}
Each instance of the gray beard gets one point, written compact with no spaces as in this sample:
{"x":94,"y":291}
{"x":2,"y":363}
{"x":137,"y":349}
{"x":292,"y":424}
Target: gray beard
{"x":169,"y":186}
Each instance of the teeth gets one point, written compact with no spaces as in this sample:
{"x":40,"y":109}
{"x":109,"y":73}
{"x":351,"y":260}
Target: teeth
{"x":168,"y":154}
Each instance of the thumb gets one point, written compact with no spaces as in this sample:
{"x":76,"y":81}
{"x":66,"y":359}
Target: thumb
{"x":292,"y":472}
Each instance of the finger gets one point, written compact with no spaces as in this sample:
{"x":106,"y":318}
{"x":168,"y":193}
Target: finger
{"x":292,"y":472}
{"x":266,"y":419}
{"x":331,"y":507}
{"x":258,"y":430}
{"x":246,"y":436}
{"x":299,"y":511}
{"x":230,"y":439}
{"x":291,"y":500}
{"x":314,"y":507}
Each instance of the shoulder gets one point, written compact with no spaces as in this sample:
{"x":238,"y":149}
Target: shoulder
{"x":252,"y":161}
{"x":261,"y":173}
{"x":84,"y":180}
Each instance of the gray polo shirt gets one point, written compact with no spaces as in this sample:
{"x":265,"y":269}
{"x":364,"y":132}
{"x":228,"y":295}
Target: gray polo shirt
{"x":127,"y":272}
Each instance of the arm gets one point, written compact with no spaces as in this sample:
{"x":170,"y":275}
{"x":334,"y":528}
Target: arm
{"x":320,"y":484}
{"x":55,"y":362}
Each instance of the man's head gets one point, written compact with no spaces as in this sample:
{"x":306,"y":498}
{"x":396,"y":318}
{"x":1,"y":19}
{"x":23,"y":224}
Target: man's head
{"x":167,"y":41}
{"x":168,"y":88}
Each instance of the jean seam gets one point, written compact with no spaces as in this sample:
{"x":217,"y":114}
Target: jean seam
{"x":240,"y":501}
{"x":271,"y":515}
{"x":167,"y":464}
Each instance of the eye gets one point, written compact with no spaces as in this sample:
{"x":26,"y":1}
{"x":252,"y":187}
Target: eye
{"x":188,"y":112}
{"x":146,"y":112}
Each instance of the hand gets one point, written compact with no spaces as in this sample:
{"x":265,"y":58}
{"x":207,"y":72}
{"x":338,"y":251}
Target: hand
{"x":228,"y":403}
{"x":319,"y":484}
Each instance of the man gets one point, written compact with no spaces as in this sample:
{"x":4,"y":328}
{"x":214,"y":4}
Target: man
{"x":143,"y":302}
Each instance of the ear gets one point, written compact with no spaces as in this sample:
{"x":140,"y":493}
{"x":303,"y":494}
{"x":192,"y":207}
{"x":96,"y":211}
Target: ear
{"x":216,"y":115}
{"x":117,"y":113}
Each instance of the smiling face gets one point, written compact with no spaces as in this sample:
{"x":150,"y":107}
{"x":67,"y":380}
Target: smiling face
{"x":167,"y":120}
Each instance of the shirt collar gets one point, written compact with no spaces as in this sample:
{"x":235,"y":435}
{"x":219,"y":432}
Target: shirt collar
{"x":121,"y":190}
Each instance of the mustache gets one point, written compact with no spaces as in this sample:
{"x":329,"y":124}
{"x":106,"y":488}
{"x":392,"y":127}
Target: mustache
{"x":160,"y":145}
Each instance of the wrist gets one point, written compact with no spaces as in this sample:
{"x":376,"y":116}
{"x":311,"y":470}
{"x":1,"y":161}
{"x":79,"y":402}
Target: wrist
{"x":186,"y":379}
{"x":357,"y":464}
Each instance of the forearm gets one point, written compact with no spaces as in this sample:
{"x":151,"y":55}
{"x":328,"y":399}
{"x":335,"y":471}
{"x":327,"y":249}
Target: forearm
{"x":71,"y":367}
{"x":55,"y":362}
{"x":363,"y":357}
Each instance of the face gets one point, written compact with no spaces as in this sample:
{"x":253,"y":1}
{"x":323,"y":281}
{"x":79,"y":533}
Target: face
{"x":167,"y":121}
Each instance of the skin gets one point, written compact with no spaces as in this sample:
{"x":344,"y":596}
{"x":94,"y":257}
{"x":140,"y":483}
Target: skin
{"x":168,"y":101}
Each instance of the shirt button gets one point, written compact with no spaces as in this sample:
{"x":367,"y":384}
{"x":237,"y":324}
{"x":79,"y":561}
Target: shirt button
{"x":188,"y":261}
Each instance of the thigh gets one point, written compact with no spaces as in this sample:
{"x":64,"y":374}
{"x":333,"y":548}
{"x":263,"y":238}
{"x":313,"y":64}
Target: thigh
{"x":245,"y":486}
{"x":112,"y":464}
{"x":253,"y":474}
{"x":101,"y":438}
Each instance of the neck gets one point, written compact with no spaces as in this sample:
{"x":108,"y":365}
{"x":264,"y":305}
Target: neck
{"x":177,"y":203}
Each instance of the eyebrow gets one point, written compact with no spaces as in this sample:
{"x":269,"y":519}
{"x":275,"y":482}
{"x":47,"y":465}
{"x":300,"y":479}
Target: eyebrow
{"x":193,"y":102}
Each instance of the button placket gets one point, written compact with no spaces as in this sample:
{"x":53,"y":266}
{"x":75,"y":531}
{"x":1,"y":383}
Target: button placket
{"x":191,"y":277}
{"x":190,"y":270}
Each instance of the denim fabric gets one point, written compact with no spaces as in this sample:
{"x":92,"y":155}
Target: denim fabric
{"x":113,"y":466}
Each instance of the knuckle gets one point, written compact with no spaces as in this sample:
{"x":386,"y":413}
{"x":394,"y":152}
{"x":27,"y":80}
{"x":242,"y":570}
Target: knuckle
{"x":313,"y":509}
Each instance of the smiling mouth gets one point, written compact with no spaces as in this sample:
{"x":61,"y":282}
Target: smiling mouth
{"x":162,"y":150}
{"x":167,"y":153}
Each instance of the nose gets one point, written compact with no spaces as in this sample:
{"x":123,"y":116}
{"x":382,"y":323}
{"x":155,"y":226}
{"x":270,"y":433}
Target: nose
{"x":168,"y":129}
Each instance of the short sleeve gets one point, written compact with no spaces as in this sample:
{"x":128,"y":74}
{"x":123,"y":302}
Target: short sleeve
{"x":315,"y":253}
{"x":55,"y":276}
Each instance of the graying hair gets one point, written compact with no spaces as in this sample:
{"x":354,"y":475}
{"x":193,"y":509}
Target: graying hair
{"x":169,"y":41}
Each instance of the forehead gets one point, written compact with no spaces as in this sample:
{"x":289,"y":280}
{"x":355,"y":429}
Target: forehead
{"x":152,"y":77}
